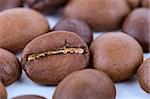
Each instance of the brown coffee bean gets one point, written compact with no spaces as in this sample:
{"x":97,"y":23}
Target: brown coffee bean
{"x":137,"y":25}
{"x":16,"y":32}
{"x":10,"y":70}
{"x":3,"y":92}
{"x":86,"y":84}
{"x":146,"y":3}
{"x":133,"y":3}
{"x":144,"y":75}
{"x":46,"y":6}
{"x":77,"y":26}
{"x":101,"y":15}
{"x":29,"y":97}
{"x":49,"y":58}
{"x":7,"y":4}
{"x":117,"y":54}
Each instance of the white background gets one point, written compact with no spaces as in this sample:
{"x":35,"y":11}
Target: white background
{"x":126,"y":90}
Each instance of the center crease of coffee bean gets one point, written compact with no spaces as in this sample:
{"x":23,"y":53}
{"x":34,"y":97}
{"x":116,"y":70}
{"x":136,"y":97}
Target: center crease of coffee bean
{"x":61,"y":51}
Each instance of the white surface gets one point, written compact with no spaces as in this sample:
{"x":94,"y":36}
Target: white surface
{"x":125,"y":90}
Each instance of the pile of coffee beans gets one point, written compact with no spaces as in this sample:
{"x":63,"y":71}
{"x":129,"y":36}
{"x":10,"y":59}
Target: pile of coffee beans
{"x":66,"y":55}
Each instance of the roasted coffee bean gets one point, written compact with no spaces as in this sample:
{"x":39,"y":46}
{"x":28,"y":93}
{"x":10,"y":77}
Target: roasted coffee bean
{"x":86,"y":84}
{"x":18,"y":26}
{"x":101,"y":15}
{"x":77,"y":26}
{"x":46,"y":6}
{"x":49,"y":58}
{"x":146,"y":3}
{"x":7,"y":4}
{"x":3,"y":92}
{"x":29,"y":97}
{"x":137,"y":25}
{"x":144,"y":75}
{"x":117,"y":54}
{"x":10,"y":69}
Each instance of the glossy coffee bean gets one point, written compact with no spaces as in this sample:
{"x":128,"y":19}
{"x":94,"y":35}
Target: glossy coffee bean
{"x":101,"y":15}
{"x":7,"y":4}
{"x":117,"y":54}
{"x":10,"y":69}
{"x":146,"y":3}
{"x":77,"y":26}
{"x":16,"y":32}
{"x":3,"y":92}
{"x":143,"y":75}
{"x":29,"y":97}
{"x":49,"y":58}
{"x":137,"y":25}
{"x":86,"y":84}
{"x":46,"y":6}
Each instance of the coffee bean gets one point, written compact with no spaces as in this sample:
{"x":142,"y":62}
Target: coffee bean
{"x":101,"y":15}
{"x":144,"y":75}
{"x":137,"y":25}
{"x":16,"y":32}
{"x":7,"y":4}
{"x":77,"y":26}
{"x":86,"y":84}
{"x":49,"y":58}
{"x":3,"y":92}
{"x":46,"y":6}
{"x":29,"y":97}
{"x":117,"y":54}
{"x":10,"y":70}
